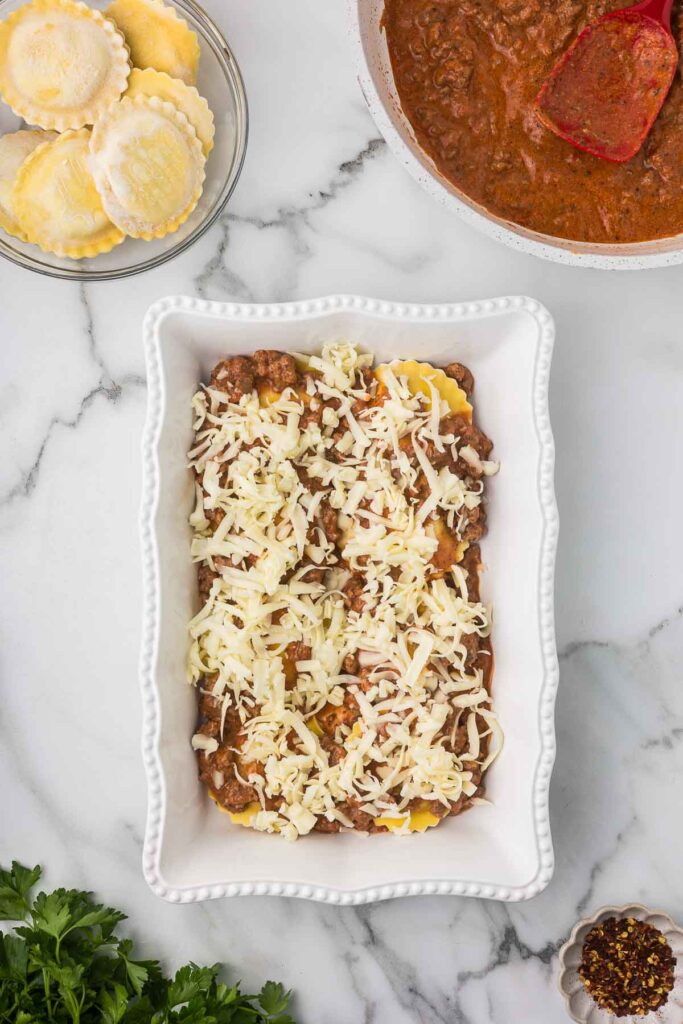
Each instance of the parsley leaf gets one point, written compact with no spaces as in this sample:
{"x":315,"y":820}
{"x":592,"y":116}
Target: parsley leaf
{"x":137,"y":971}
{"x":189,"y":982}
{"x":273,"y":998}
{"x":13,"y":957}
{"x":65,"y":964}
{"x":51,"y":913}
{"x":114,"y":1004}
{"x":66,"y":909}
{"x":15,"y":887}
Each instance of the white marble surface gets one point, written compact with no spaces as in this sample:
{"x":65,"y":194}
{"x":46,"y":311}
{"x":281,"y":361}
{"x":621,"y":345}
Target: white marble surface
{"x":323,"y":207}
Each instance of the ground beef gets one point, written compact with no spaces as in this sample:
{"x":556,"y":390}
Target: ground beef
{"x":335,"y":752}
{"x":328,"y":520}
{"x":359,"y":406}
{"x":215,"y":516}
{"x":276,"y":369}
{"x":222,"y":761}
{"x":485,"y":661}
{"x":662,"y":147}
{"x":311,"y":483}
{"x":467,"y":472}
{"x":366,"y":379}
{"x":209,"y":706}
{"x":353,"y":593}
{"x":470,"y":641}
{"x":235,"y":796}
{"x":470,"y":565}
{"x":234,"y":376}
{"x":296,"y":651}
{"x":360,"y":819}
{"x":312,"y":414}
{"x":211,"y":709}
{"x":435,"y":457}
{"x":205,"y":578}
{"x":461,"y":741}
{"x":313,"y":574}
{"x":475,"y":769}
{"x":331,"y":716}
{"x":475,"y":527}
{"x":329,"y":827}
{"x":211,"y":727}
{"x":366,"y":382}
{"x":421,"y":489}
{"x":350,"y":664}
{"x":460,"y":805}
{"x":462,"y":375}
{"x":234,"y":562}
{"x":364,"y":681}
{"x":241,"y":374}
{"x":468,"y":434}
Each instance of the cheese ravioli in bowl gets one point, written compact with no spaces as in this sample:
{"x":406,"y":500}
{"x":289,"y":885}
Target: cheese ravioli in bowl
{"x":342,"y":654}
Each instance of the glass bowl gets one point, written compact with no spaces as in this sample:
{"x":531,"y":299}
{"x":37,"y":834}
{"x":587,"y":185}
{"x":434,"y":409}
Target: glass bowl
{"x":220,"y":81}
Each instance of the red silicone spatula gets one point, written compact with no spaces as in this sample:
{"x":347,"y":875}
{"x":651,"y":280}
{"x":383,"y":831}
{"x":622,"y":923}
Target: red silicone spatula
{"x":605,"y":92}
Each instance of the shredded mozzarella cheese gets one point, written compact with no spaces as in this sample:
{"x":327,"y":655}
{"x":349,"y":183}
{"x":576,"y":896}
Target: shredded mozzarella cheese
{"x":274,"y":485}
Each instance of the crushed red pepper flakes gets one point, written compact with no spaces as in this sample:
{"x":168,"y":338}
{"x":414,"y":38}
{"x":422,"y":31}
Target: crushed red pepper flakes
{"x":627,"y":966}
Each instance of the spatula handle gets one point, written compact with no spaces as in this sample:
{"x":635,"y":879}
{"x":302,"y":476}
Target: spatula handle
{"x":658,"y":10}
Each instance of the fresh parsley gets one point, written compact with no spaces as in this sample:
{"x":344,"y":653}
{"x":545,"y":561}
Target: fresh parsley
{"x":65,"y":964}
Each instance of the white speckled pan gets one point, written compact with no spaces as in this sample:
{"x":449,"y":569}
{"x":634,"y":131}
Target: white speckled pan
{"x":192,"y":851}
{"x":376,"y":81}
{"x":581,"y":1008}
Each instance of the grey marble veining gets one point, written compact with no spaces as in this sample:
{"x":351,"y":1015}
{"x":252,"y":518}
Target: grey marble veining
{"x":323,"y":207}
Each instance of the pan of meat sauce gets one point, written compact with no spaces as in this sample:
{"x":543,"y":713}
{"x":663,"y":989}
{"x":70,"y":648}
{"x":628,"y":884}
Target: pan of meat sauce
{"x":468,"y":72}
{"x":342,"y":653}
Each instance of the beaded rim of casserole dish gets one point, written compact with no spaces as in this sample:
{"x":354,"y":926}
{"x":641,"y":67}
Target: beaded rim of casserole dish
{"x":150,"y":491}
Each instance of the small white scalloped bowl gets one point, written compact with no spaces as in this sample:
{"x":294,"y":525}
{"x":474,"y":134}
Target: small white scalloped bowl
{"x":377,"y":84}
{"x":580,"y":1005}
{"x":503,"y":851}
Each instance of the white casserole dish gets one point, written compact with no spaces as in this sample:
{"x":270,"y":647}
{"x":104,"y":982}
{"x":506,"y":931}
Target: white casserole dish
{"x":377,"y":84}
{"x":192,"y":851}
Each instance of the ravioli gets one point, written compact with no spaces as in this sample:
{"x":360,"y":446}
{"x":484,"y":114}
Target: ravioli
{"x":15,"y":147}
{"x":418,"y":821}
{"x":185,"y":97}
{"x":158,"y":38}
{"x":149,"y":166}
{"x":419,"y":377}
{"x":244,"y":817}
{"x":56,"y":203}
{"x":61,"y":63}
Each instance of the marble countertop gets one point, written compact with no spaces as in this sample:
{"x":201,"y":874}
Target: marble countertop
{"x":323,"y":207}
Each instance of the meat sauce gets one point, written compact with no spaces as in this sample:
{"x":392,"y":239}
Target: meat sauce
{"x":224,"y":770}
{"x":468,"y":73}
